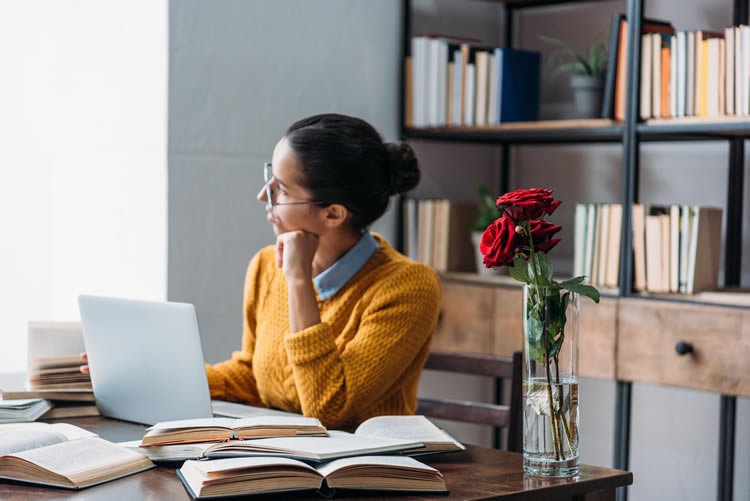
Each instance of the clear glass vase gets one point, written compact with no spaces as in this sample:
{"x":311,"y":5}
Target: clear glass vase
{"x":550,"y":384}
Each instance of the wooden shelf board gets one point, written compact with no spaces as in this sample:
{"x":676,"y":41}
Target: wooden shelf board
{"x":505,"y":280}
{"x":720,"y":297}
{"x":695,"y":126}
{"x":583,"y":130}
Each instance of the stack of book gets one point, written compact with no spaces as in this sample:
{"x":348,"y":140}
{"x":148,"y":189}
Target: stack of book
{"x":676,"y":248}
{"x":305,"y":458}
{"x":23,"y":410}
{"x":438,"y":233}
{"x":597,"y":230}
{"x":456,"y":83}
{"x":64,"y":403}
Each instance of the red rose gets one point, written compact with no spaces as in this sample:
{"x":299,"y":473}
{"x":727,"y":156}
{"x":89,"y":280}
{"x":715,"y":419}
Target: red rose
{"x":500,"y":243}
{"x":541,"y":234}
{"x":523,"y":205}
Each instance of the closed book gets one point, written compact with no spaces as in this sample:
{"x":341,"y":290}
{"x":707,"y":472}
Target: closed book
{"x":518,"y":85}
{"x":656,"y":69}
{"x":681,"y":77}
{"x":690,"y":76}
{"x":608,"y":99}
{"x":674,"y":248}
{"x":588,"y":260}
{"x":603,"y":243}
{"x":729,"y":71}
{"x":666,"y":64}
{"x":685,"y":218}
{"x":639,"y":247}
{"x":66,"y":410}
{"x":646,"y":78}
{"x":579,"y":239}
{"x":613,"y":245}
{"x":713,"y":54}
{"x":454,"y":251}
{"x":654,"y":266}
{"x":482,"y":72}
{"x":673,"y":76}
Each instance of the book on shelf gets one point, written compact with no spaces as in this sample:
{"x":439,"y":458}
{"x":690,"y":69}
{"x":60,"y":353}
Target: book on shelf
{"x":220,"y":428}
{"x":23,"y":410}
{"x":639,"y":247}
{"x":406,"y":435}
{"x":63,"y":455}
{"x":237,"y":476}
{"x":704,"y":249}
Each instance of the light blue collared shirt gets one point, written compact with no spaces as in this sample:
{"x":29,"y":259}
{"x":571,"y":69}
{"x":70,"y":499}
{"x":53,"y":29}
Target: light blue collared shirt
{"x":333,"y":279}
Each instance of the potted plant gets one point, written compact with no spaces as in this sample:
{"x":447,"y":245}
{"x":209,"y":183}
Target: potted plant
{"x":587,"y":69}
{"x":486,"y":216}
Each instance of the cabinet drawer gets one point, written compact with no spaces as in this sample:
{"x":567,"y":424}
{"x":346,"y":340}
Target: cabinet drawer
{"x":648,"y":331}
{"x":465,"y":319}
{"x":597,"y":338}
{"x":507,"y":332}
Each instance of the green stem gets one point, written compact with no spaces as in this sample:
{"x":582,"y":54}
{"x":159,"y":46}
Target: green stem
{"x":568,"y":432}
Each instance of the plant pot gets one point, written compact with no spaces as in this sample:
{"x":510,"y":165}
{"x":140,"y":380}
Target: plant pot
{"x":476,"y":239}
{"x":550,"y":384}
{"x":587,"y":92}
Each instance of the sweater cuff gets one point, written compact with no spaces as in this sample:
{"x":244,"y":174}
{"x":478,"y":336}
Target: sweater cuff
{"x":309,"y":344}
{"x":216,"y":381}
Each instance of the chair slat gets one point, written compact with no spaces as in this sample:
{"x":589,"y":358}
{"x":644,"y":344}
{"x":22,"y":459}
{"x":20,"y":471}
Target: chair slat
{"x":468,"y":412}
{"x":470,"y":363}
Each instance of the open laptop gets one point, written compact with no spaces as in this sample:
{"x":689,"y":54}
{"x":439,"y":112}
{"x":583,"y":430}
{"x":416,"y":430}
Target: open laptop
{"x":145,"y":359}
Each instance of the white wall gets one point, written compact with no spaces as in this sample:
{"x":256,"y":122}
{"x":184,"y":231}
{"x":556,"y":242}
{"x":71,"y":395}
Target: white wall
{"x":240,"y":74}
{"x":83,"y":158}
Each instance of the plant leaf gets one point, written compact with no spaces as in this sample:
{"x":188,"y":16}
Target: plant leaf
{"x":544,"y":265}
{"x":518,"y":270}
{"x":574,"y":285}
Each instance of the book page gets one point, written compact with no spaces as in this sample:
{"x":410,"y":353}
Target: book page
{"x":273,"y":421}
{"x":337,"y":444}
{"x":18,"y":437}
{"x":84,"y":460}
{"x":230,"y":464}
{"x":180,"y":424}
{"x":404,"y":462}
{"x":405,"y":427}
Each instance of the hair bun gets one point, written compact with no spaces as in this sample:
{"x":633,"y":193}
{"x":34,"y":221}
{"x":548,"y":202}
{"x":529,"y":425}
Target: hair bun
{"x":403,"y":166}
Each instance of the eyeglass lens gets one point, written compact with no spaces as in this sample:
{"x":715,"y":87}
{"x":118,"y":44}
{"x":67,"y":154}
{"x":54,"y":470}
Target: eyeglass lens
{"x":267,"y":176}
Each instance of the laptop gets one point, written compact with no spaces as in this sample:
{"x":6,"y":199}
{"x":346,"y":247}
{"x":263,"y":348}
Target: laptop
{"x":145,"y":359}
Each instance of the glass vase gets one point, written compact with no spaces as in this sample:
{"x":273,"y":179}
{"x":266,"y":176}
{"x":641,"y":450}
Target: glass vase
{"x":550,"y":384}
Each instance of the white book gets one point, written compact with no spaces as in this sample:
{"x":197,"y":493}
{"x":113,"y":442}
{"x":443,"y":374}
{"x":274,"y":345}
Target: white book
{"x":690,"y":76}
{"x":590,"y":239}
{"x":712,"y":80}
{"x":492,"y":117}
{"x":470,"y":96}
{"x":729,"y":79}
{"x":603,"y":243}
{"x":579,"y":239}
{"x":499,"y":55}
{"x":442,"y":76}
{"x":745,"y":80}
{"x":646,"y":77}
{"x":419,"y":80}
{"x":673,"y":75}
{"x":738,"y":65}
{"x":433,"y":83}
{"x":681,"y":72}
{"x":674,"y":248}
{"x":685,"y":223}
{"x":456,"y":119}
{"x":656,"y":75}
{"x":482,"y":72}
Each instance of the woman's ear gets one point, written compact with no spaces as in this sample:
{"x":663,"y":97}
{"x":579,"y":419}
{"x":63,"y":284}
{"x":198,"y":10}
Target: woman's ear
{"x":335,"y":215}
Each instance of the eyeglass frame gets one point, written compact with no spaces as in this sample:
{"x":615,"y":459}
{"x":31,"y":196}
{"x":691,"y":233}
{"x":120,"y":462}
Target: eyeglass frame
{"x":268,"y":177}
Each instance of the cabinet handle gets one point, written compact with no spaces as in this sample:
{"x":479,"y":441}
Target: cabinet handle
{"x":683,"y":347}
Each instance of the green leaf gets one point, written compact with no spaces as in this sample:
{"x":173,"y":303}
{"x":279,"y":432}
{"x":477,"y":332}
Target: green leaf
{"x":574,"y":285}
{"x":545,"y":265}
{"x":518,"y":270}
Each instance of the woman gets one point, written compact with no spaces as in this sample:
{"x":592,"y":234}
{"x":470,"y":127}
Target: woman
{"x":337,"y":324}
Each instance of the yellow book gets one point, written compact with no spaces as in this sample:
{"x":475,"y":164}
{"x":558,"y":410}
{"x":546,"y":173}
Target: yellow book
{"x":703,"y":109}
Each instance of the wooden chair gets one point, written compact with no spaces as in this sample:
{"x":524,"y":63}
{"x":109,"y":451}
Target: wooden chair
{"x":496,"y":415}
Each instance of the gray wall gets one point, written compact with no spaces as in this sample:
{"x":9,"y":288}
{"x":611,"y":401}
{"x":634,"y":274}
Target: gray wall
{"x":240,"y":72}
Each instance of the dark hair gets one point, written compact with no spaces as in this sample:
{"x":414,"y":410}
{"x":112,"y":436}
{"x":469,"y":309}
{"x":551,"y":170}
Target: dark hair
{"x":345,"y":161}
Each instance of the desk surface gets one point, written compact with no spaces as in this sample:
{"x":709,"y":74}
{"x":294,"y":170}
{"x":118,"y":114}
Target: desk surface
{"x":477,"y":473}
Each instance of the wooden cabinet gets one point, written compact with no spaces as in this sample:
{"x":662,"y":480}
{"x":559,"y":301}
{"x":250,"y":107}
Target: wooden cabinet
{"x":649,"y":330}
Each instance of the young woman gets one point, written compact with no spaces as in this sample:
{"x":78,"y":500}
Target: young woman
{"x":337,"y":324}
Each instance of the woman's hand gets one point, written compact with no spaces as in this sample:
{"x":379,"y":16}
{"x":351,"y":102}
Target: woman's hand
{"x":294,"y":253}
{"x":84,"y":368}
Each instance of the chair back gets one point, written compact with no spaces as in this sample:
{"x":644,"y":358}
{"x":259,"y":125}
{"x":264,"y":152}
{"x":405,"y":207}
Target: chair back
{"x":495,"y":414}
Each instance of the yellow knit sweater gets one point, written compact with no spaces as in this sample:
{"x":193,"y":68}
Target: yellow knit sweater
{"x":365,"y":357}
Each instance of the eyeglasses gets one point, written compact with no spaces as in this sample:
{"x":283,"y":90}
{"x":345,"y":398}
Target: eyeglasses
{"x":268,"y":177}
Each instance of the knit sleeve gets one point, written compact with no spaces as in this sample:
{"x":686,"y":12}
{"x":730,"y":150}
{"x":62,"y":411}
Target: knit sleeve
{"x":338,"y":385}
{"x":233,"y":379}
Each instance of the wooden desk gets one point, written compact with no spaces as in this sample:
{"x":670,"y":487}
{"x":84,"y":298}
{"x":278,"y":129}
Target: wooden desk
{"x":478,"y":473}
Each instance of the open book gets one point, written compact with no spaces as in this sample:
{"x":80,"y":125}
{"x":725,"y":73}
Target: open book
{"x":416,"y":428}
{"x":206,"y":479}
{"x":214,"y":429}
{"x":63,"y":455}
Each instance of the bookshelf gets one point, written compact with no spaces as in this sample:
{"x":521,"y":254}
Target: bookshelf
{"x":630,"y":312}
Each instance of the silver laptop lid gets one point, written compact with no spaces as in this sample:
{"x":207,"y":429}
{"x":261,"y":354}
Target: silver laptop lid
{"x":145,"y":359}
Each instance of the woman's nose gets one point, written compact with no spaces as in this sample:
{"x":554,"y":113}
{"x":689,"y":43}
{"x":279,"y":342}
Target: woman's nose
{"x":262,"y":197}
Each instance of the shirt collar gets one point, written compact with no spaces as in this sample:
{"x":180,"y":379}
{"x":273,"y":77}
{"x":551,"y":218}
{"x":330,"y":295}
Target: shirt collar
{"x":330,"y":281}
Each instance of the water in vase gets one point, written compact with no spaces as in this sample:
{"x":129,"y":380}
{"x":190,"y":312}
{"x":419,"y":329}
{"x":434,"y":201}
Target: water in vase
{"x":550,"y":427}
